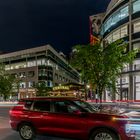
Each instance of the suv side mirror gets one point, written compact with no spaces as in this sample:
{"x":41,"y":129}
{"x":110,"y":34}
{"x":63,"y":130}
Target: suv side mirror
{"x":79,"y":113}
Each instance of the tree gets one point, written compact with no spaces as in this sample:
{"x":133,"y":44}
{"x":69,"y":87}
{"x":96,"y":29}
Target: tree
{"x":101,"y":66}
{"x":6,"y":82}
{"x":42,"y":89}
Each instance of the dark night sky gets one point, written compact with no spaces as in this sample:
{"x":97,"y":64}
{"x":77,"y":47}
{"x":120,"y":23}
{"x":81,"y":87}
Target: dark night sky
{"x":31,"y":23}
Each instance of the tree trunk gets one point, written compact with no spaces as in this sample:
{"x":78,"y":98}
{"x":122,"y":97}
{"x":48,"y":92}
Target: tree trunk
{"x":5,"y":97}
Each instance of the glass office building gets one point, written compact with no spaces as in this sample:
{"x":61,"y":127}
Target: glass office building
{"x":122,"y":20}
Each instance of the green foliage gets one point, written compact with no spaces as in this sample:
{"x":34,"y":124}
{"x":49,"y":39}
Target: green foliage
{"x":42,"y":89}
{"x":6,"y":82}
{"x":101,"y":66}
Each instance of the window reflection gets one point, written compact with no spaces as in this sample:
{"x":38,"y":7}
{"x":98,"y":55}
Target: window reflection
{"x":136,"y":6}
{"x":116,"y":17}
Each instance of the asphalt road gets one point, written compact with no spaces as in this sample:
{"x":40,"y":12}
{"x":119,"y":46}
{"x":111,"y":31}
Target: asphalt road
{"x":6,"y":133}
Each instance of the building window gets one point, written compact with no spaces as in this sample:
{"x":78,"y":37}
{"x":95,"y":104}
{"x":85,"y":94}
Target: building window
{"x":22,"y":85}
{"x":137,"y":86}
{"x":7,"y":67}
{"x":124,"y":31}
{"x":120,"y":33}
{"x":42,"y":72}
{"x":60,"y":77}
{"x":31,"y":63}
{"x":31,"y":84}
{"x":137,"y":78}
{"x":18,"y":65}
{"x":136,"y":27}
{"x":31,"y":74}
{"x":49,"y":84}
{"x":108,"y":23}
{"x":116,"y":35}
{"x":123,"y":12}
{"x":136,"y":46}
{"x":125,"y":80}
{"x":136,"y":6}
{"x":109,"y":39}
{"x":136,"y":65}
{"x":56,"y":76}
{"x":126,"y":68}
{"x":49,"y":63}
{"x":118,"y":81}
{"x":22,"y":74}
{"x":115,"y":18}
{"x":41,"y":62}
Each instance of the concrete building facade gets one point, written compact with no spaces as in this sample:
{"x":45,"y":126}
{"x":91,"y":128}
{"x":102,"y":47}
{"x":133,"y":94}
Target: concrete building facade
{"x":38,"y":64}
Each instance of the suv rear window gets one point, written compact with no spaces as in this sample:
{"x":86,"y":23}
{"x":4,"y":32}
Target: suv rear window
{"x":42,"y":106}
{"x":28,"y":104}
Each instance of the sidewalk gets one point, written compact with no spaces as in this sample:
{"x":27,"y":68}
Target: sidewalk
{"x":7,"y":103}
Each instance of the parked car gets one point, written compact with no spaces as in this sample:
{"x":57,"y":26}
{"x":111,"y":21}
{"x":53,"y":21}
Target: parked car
{"x":67,"y":117}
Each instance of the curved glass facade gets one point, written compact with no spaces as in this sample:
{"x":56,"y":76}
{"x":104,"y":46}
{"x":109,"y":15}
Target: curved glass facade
{"x":117,"y":34}
{"x":115,"y":18}
{"x":115,"y":27}
{"x":136,"y":6}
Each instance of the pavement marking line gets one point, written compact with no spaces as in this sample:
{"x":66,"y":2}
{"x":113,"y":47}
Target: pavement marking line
{"x":3,"y":118}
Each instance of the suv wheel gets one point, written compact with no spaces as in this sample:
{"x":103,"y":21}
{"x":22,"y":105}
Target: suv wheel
{"x":26,"y":131}
{"x":103,"y":134}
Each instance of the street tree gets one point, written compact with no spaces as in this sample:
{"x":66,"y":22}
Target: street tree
{"x":42,"y":89}
{"x":101,"y":66}
{"x":6,"y":82}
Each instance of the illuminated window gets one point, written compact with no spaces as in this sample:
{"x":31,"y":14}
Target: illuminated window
{"x":41,"y":62}
{"x":38,"y":62}
{"x":125,"y":68}
{"x":7,"y":67}
{"x":109,"y":38}
{"x":125,"y":80}
{"x":136,"y":65}
{"x":49,"y":84}
{"x":137,"y":78}
{"x":22,"y":74}
{"x":124,"y":31}
{"x":22,"y":85}
{"x":31,"y":84}
{"x":136,"y":27}
{"x":31,"y":63}
{"x":115,"y":18}
{"x":123,"y":12}
{"x":136,"y":46}
{"x":136,"y":6}
{"x":116,"y":35}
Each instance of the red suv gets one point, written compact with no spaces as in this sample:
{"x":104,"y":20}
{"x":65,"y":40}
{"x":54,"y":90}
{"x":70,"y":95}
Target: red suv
{"x":67,"y":117}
